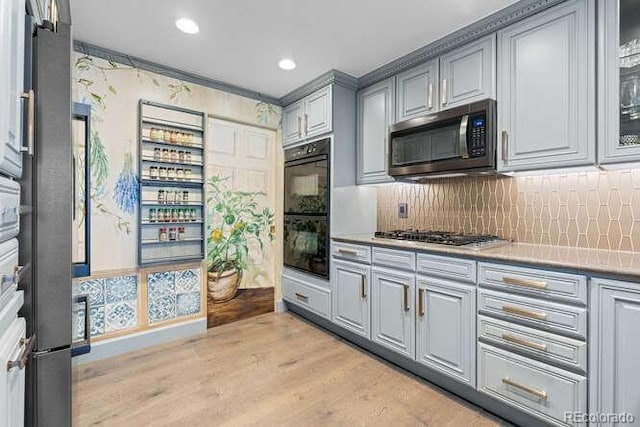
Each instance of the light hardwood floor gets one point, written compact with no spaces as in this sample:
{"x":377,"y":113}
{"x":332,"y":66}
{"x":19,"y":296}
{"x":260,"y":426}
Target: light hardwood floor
{"x":271,"y":370}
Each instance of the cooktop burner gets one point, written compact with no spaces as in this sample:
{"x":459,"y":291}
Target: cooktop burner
{"x":442,"y":238}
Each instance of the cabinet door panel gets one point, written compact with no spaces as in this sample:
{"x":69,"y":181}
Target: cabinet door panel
{"x":446,"y":328}
{"x":292,"y":123}
{"x":615,"y":351}
{"x":417,"y":91}
{"x":317,"y":115}
{"x":547,"y":89}
{"x":375,"y":114}
{"x":468,"y":74}
{"x":350,"y":292}
{"x":392,"y":310}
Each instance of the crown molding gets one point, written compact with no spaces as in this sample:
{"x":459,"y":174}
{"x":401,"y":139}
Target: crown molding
{"x":330,"y":77}
{"x":112,"y":55}
{"x":474,"y":31}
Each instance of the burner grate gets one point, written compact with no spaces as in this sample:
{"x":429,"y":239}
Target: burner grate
{"x":438,"y":237}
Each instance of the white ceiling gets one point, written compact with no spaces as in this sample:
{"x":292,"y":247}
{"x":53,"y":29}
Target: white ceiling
{"x":241,"y":41}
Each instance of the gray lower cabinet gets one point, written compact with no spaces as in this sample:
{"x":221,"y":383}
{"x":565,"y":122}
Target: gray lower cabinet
{"x":468,"y":74}
{"x":417,"y":91}
{"x":615,"y":349}
{"x":376,"y":108}
{"x":392,"y":310}
{"x":446,"y":327}
{"x":351,"y":284}
{"x":546,"y":90}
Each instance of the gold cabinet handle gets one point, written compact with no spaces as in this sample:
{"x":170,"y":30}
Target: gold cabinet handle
{"x":444,"y":91}
{"x":524,"y":342}
{"x":406,"y":297}
{"x":523,"y":312}
{"x":430,"y":96}
{"x":302,"y":297}
{"x":306,"y":124}
{"x":363,"y":286}
{"x":525,"y":282}
{"x":541,"y":394}
{"x":505,"y":146}
{"x":347,"y":252}
{"x":27,"y":348}
{"x":31,"y":118}
{"x":420,"y":302}
{"x":299,"y":127}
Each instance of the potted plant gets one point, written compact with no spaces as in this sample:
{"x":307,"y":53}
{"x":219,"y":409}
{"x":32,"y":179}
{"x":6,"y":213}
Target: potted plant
{"x":235,"y":220}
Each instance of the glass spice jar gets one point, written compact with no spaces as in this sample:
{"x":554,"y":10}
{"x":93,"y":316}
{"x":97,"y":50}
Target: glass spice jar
{"x":171,"y":173}
{"x":172,"y":234}
{"x":157,"y":154}
{"x":165,"y":154}
{"x":187,"y":156}
{"x":162,"y":236}
{"x":180,"y":174}
{"x":162,"y":173}
{"x":171,"y":198}
{"x":161,"y":197}
{"x":174,"y":155}
{"x":173,"y":138}
{"x":153,"y":172}
{"x":167,"y":215}
{"x":181,"y":156}
{"x":174,"y":215}
{"x":185,"y":197}
{"x":194,"y":216}
{"x":187,"y":174}
{"x":181,"y":233}
{"x":181,"y":215}
{"x":153,"y":215}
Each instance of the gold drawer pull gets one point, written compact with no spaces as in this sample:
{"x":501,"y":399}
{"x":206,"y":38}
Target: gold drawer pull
{"x":302,"y":297}
{"x":523,"y":342}
{"x":363,"y":286}
{"x":523,"y":312}
{"x":420,"y":302}
{"x":405,"y":297}
{"x":347,"y":252}
{"x":525,"y":282}
{"x":541,"y":394}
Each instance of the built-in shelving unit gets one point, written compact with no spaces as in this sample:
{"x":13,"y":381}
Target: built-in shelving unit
{"x":171,"y":165}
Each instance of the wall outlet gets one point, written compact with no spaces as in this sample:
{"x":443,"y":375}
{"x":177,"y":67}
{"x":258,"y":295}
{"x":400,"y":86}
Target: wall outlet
{"x":403,"y":210}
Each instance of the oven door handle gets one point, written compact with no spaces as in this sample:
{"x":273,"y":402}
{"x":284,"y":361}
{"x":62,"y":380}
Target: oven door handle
{"x":305,"y":160}
{"x":464,"y":152}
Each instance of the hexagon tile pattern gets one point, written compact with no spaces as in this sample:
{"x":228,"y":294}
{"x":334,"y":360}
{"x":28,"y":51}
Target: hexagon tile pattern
{"x":599,"y":209}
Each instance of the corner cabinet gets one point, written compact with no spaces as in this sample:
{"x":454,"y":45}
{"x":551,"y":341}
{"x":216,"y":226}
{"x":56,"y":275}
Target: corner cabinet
{"x":417,"y":91}
{"x":468,"y":74}
{"x":351,"y":284}
{"x":307,"y":118}
{"x":376,"y":107}
{"x":445,"y":329}
{"x":546,"y":90}
{"x":615,"y":351}
{"x":619,"y":81}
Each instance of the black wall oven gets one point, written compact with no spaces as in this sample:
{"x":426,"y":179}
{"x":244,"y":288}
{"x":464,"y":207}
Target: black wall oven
{"x":306,"y":207}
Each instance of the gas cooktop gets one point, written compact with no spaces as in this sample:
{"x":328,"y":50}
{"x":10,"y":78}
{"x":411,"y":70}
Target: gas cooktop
{"x":443,"y":238}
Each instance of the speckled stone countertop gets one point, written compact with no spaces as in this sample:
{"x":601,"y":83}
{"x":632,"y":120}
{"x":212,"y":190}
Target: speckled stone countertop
{"x":592,"y":261}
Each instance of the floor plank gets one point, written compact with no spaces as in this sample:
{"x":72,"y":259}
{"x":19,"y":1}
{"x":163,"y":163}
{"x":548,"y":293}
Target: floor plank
{"x":247,"y":303}
{"x":274,"y":369}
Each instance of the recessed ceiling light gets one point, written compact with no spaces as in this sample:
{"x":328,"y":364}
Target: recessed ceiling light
{"x":287,"y":64}
{"x":186,"y":25}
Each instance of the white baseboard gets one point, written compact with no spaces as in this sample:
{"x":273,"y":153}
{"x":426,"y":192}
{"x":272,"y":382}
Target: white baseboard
{"x":137,"y":341}
{"x":280,"y":307}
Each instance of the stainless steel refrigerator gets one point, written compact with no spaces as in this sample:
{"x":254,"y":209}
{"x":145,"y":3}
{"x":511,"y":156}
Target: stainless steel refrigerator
{"x":45,"y":236}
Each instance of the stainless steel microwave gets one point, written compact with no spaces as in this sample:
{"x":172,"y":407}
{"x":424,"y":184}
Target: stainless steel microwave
{"x":458,"y":141}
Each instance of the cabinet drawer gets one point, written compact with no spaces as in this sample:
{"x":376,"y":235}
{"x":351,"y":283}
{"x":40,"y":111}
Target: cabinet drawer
{"x":529,"y":281}
{"x":10,"y":303}
{"x":544,"y":346}
{"x":9,"y":209}
{"x":447,"y":268}
{"x":352,"y":252}
{"x":311,"y":297}
{"x":394,"y":258}
{"x":551,"y":316}
{"x":544,"y":391}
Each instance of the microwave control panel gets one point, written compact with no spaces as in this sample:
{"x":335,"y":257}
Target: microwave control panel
{"x":478,"y":140}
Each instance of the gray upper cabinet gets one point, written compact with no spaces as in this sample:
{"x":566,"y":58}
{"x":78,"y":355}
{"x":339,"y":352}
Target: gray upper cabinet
{"x":614,"y":349}
{"x":619,"y":81}
{"x":392,"y":310}
{"x":308,"y":118}
{"x":376,"y":107}
{"x":292,"y":123}
{"x":546,"y":90}
{"x":417,"y":91}
{"x":446,"y":328}
{"x":350,"y":283}
{"x":468,"y":74}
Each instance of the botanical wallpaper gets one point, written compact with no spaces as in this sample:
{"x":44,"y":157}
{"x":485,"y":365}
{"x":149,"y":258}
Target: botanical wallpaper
{"x":113,"y":90}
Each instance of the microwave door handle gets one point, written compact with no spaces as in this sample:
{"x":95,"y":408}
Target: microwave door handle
{"x":464,"y":152}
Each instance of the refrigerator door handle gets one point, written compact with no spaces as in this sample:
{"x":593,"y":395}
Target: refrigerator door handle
{"x":22,"y":360}
{"x":84,"y":346}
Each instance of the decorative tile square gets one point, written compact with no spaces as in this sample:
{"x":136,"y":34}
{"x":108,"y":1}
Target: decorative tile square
{"x":122,"y":288}
{"x":97,"y":321}
{"x":187,"y":280}
{"x":188,"y":303}
{"x":161,"y":284}
{"x":162,"y":308}
{"x":94,"y":287}
{"x":79,"y":316}
{"x":121,"y":315}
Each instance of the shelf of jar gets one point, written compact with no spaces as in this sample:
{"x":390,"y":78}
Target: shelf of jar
{"x":173,"y":125}
{"x":192,"y":183}
{"x":147,"y":222}
{"x":172,"y":144}
{"x":171,"y":162}
{"x":171,"y":205}
{"x":170,"y":260}
{"x":165,"y":242}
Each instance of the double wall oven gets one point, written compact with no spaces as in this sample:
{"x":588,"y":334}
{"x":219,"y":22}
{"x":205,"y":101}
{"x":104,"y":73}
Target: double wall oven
{"x":306,"y":207}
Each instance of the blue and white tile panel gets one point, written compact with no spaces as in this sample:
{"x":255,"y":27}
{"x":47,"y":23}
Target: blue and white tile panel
{"x":173,"y":294}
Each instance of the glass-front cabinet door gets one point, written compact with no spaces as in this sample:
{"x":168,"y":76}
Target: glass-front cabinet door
{"x":619,"y":81}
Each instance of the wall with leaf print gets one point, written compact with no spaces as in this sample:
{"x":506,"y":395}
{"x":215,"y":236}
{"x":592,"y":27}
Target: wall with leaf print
{"x":113,"y":91}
